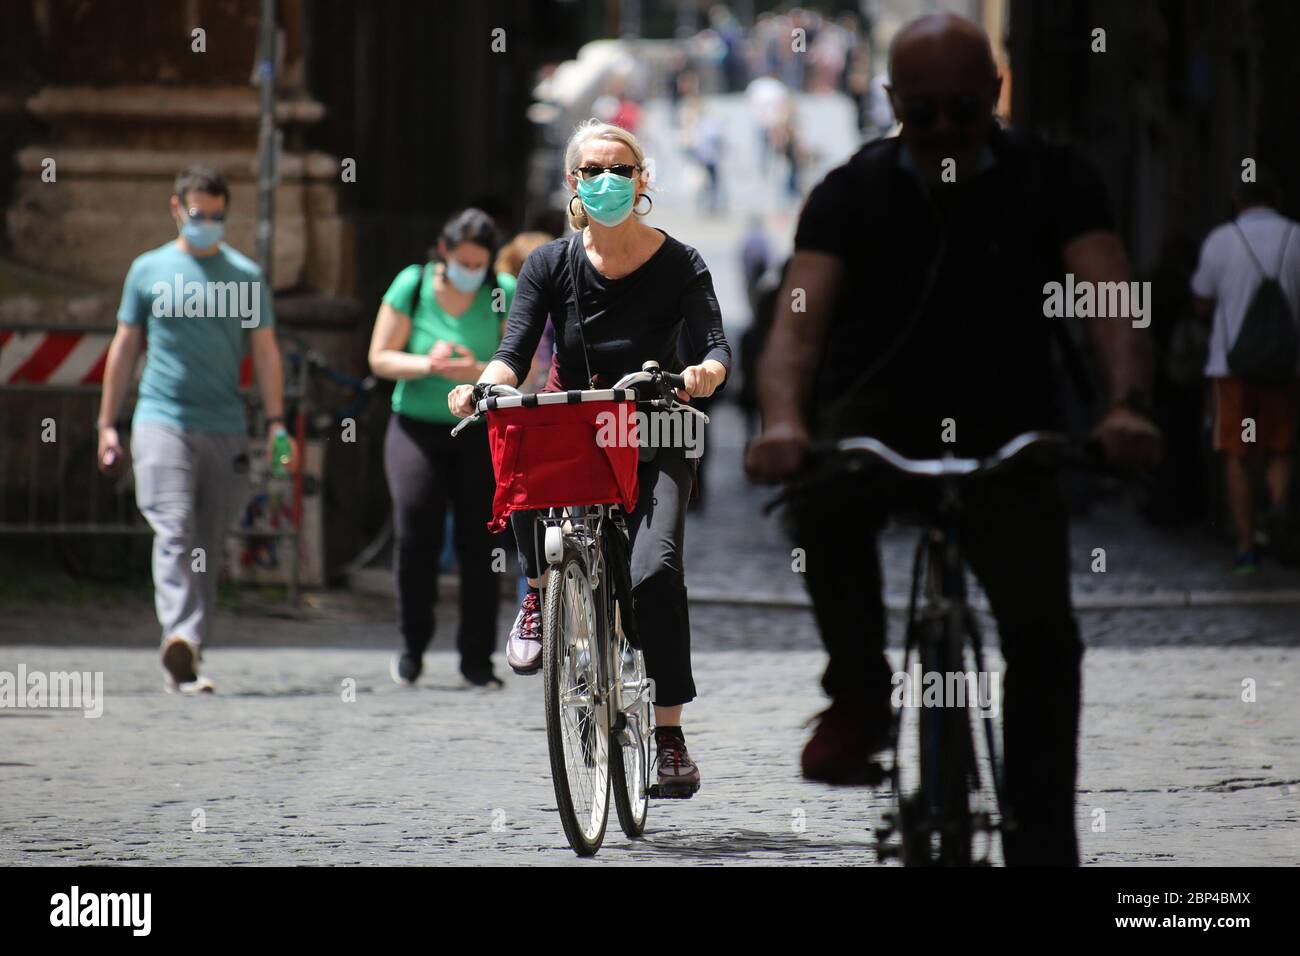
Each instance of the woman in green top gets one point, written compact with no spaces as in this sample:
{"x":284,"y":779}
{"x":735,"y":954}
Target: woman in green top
{"x":437,"y":327}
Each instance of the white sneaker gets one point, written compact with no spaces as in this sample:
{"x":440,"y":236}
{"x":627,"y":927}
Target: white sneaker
{"x":524,"y":646}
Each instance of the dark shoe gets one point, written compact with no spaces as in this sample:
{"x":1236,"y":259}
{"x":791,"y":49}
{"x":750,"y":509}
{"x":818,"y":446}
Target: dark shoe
{"x":484,"y":680}
{"x":841,"y":749}
{"x":524,"y":646}
{"x":679,"y":777}
{"x":1246,"y":562}
{"x":180,"y":659}
{"x":405,"y":669}
{"x":1283,"y":538}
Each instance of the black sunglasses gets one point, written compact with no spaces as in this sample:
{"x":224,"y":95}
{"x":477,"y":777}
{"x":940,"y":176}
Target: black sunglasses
{"x":198,"y":216}
{"x":627,"y":171}
{"x":924,"y":113}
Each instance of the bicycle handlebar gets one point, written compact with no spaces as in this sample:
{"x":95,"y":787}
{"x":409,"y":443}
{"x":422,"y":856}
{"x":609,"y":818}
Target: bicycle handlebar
{"x":948,"y":466}
{"x":664,"y":384}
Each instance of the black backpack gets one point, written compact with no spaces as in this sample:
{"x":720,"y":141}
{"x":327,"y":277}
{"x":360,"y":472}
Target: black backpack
{"x":1267,"y":343}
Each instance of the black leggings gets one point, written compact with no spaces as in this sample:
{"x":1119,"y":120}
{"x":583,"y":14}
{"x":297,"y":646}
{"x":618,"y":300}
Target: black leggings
{"x":426,"y":468}
{"x":657,"y":527}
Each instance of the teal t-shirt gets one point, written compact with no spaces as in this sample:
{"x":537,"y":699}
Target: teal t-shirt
{"x":478,"y":329}
{"x":195,"y":313}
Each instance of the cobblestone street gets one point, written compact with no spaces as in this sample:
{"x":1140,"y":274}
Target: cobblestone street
{"x":284,"y":771}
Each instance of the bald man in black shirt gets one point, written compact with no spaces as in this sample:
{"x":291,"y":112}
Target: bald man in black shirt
{"x":921,"y":264}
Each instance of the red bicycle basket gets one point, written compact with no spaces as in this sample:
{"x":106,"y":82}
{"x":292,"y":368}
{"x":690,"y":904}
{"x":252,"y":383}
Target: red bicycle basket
{"x":547,"y":456}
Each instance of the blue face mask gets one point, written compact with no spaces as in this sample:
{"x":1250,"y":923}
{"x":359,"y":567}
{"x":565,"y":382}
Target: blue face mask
{"x":465,"y":280}
{"x":203,"y":235}
{"x":608,"y":198}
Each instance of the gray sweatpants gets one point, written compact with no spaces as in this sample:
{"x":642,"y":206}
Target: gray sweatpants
{"x":188,"y":485}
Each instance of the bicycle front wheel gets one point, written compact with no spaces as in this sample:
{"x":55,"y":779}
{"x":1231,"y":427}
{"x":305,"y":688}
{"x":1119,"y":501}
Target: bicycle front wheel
{"x":577,"y":707}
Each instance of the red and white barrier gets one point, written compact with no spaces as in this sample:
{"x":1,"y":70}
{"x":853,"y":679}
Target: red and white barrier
{"x":65,"y":358}
{"x":53,"y":358}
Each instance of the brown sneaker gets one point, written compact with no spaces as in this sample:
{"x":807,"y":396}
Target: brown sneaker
{"x":679,"y":777}
{"x":841,"y":749}
{"x":180,"y":659}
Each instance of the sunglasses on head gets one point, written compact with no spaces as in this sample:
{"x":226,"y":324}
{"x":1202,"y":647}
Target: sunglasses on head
{"x":922,"y":113}
{"x":626,"y":170}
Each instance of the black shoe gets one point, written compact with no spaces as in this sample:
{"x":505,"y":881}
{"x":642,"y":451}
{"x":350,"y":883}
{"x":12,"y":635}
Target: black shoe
{"x":486,"y":681}
{"x":1283,"y":538}
{"x":406,"y":668}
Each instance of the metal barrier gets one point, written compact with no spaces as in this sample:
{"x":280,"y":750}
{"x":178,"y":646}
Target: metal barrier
{"x":50,"y":383}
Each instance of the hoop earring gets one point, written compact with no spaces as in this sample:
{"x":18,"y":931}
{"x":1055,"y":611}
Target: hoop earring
{"x":648,"y":198}
{"x":572,"y":214}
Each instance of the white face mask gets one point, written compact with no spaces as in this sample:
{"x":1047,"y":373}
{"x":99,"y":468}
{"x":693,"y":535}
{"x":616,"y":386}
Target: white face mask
{"x":465,"y":280}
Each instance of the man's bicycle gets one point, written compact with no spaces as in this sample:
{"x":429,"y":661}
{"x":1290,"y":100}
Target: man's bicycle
{"x":949,"y":809}
{"x":599,"y":700}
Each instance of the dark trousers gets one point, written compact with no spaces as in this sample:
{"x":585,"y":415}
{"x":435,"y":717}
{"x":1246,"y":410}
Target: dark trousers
{"x":657,"y":528}
{"x":1014,"y":535}
{"x":426,"y":469}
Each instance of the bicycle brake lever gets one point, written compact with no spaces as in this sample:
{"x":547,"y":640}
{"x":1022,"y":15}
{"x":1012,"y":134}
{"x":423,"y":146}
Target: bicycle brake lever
{"x":456,"y":429}
{"x":688,"y":408}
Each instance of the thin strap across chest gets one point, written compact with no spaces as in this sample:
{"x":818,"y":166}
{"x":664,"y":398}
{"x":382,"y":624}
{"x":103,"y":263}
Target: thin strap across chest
{"x":575,"y":250}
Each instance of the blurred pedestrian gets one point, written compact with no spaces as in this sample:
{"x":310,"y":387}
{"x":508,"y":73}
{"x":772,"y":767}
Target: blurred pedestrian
{"x":766,"y":98}
{"x":189,"y":437}
{"x":437,"y":327}
{"x":1249,"y":276}
{"x":755,"y":257}
{"x":702,"y":141}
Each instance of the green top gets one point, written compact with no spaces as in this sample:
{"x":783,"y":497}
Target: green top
{"x":478,"y":329}
{"x":196,"y":313}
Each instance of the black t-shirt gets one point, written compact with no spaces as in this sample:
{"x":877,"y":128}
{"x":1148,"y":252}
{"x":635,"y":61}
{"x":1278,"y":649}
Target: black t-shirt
{"x":626,"y":321}
{"x":980,"y":352}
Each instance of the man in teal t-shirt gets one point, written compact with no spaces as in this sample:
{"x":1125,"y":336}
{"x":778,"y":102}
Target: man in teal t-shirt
{"x":195,"y":304}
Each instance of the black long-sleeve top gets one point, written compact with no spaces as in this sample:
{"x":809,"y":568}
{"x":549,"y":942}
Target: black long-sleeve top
{"x":664,"y":310}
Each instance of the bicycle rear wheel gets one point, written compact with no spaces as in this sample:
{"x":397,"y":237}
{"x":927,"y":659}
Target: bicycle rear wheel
{"x":629,"y":753}
{"x":577,"y":709}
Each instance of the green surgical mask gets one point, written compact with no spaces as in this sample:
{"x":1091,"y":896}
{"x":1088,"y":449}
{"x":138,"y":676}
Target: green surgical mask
{"x":608,"y":198}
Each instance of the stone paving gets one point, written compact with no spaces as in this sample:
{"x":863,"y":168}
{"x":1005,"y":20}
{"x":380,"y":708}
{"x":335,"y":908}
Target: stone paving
{"x":285,"y":771}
